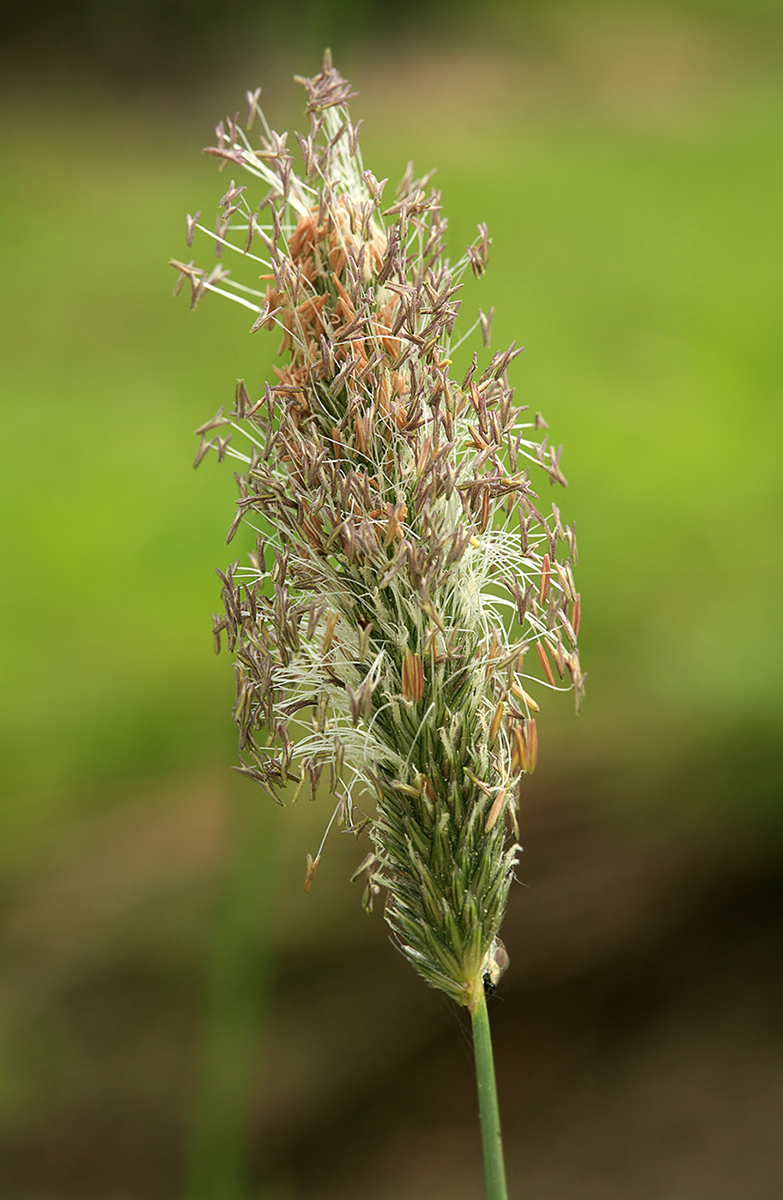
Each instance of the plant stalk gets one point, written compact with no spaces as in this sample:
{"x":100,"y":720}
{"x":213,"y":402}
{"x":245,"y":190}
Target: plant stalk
{"x":489,"y":1114}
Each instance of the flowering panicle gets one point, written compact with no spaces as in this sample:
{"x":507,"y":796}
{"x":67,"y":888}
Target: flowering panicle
{"x":403,"y":570}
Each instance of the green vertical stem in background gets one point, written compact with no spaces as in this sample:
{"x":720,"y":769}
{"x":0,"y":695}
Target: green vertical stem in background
{"x":237,"y":1003}
{"x":489,"y":1114}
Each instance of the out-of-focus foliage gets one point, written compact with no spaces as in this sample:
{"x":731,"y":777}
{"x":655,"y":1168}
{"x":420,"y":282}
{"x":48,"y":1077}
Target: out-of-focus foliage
{"x":631,"y":190}
{"x":160,"y":43}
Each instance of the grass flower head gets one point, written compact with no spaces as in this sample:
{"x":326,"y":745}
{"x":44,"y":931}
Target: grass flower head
{"x":408,"y":595}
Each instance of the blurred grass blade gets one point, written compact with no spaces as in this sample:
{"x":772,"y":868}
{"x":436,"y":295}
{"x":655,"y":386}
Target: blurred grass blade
{"x":238,"y":996}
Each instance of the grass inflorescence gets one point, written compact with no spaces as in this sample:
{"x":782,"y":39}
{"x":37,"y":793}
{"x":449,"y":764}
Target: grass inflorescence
{"x":405,"y":576}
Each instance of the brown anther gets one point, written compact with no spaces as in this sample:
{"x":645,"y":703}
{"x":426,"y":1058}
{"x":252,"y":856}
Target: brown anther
{"x":484,"y":520}
{"x":523,"y":696}
{"x":412,"y":677}
{"x":361,"y":441}
{"x":558,"y":657}
{"x":347,"y":304}
{"x":519,"y":753}
{"x":545,"y":663}
{"x":498,"y":804}
{"x":546,"y":575}
{"x":305,"y":235}
{"x":424,"y":455}
{"x":395,"y":515}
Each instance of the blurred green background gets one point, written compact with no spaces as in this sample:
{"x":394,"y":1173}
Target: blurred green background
{"x":177,"y":1018}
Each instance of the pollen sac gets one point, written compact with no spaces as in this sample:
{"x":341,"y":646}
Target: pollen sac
{"x":412,"y":677}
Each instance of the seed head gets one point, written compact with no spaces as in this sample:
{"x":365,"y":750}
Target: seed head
{"x":403,"y":568}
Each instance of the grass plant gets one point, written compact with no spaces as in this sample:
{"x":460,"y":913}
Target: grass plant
{"x":403,"y":569}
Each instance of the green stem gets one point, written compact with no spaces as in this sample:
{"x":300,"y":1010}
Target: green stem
{"x":489,"y":1113}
